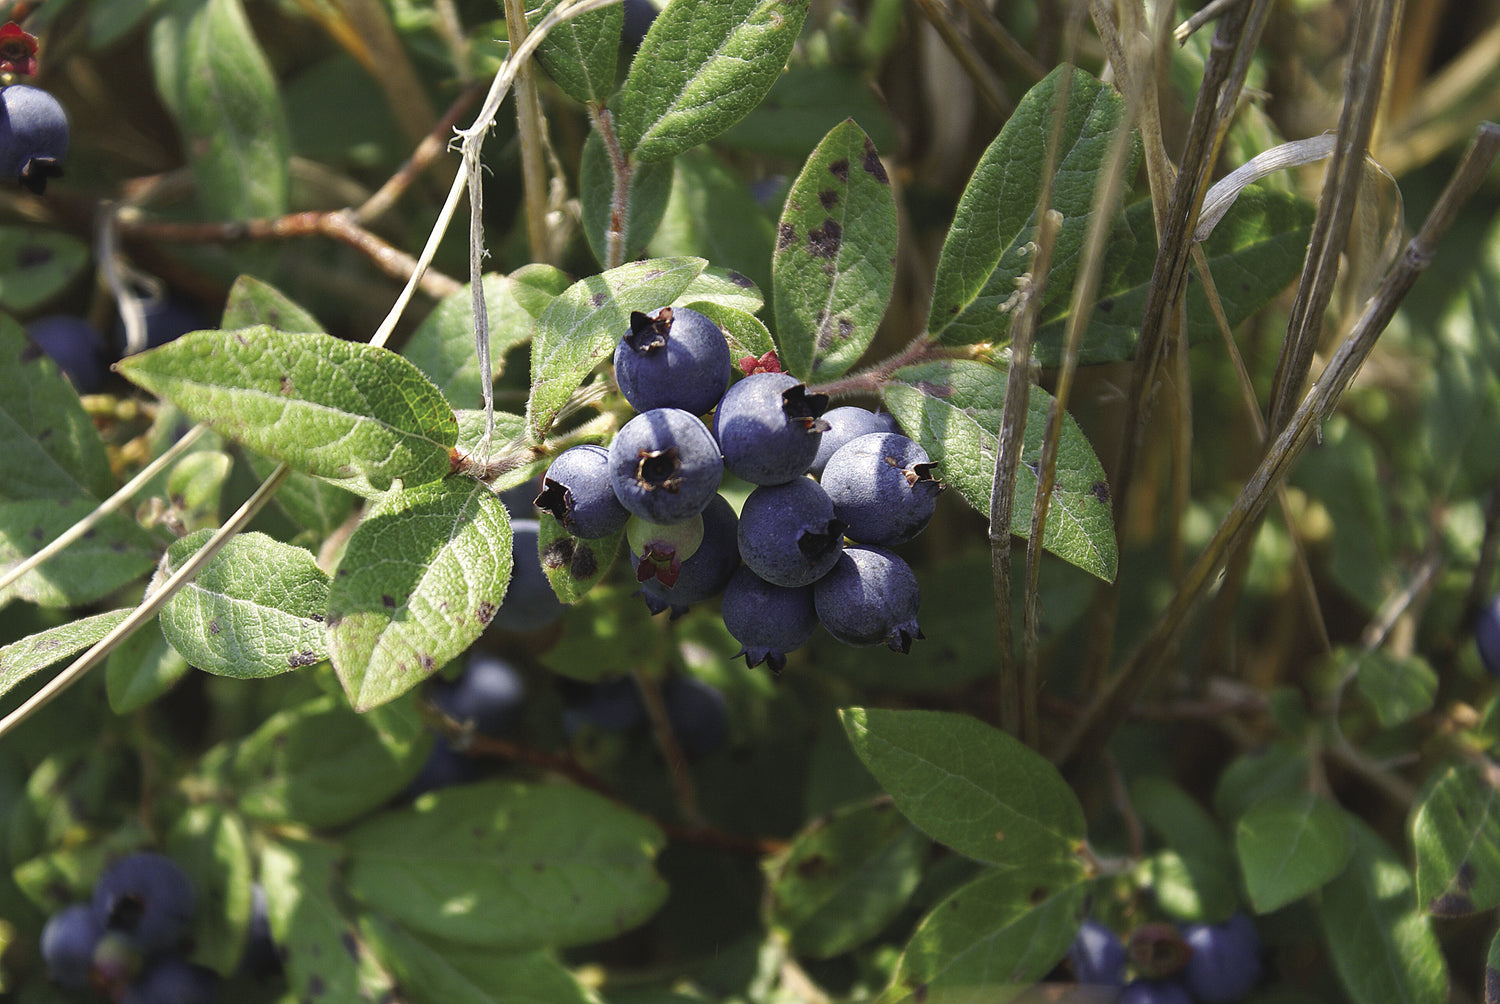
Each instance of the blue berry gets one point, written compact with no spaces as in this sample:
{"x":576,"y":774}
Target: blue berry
{"x":68,"y":942}
{"x":579,"y":494}
{"x":77,"y":348}
{"x":882,"y":487}
{"x":639,"y":14}
{"x":1487,"y":636}
{"x":698,"y":714}
{"x":673,"y":358}
{"x":489,"y":693}
{"x":170,"y":979}
{"x":707,"y":571}
{"x":530,"y":602}
{"x":789,"y":534}
{"x":665,"y":465}
{"x":1225,"y":964}
{"x":1154,"y":992}
{"x":612,"y":706}
{"x":33,"y":136}
{"x":844,"y":424}
{"x":1098,"y":955}
{"x":870,"y":597}
{"x":766,"y":619}
{"x":146,"y":898}
{"x":769,"y":428}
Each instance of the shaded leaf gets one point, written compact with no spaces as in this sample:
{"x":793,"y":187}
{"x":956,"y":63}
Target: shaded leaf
{"x":581,"y":327}
{"x":356,"y":414}
{"x":953,"y":408}
{"x":1399,"y":687}
{"x":443,"y":344}
{"x":20,"y":659}
{"x":835,"y":261}
{"x":421,"y":577}
{"x":700,"y":69}
{"x":805,"y":102}
{"x":712,"y":213}
{"x":575,"y":565}
{"x":141,"y":669}
{"x":1197,"y":882}
{"x":650,"y":188}
{"x":1289,"y":846}
{"x":509,"y":866}
{"x":213,"y":846}
{"x":255,"y":610}
{"x":726,"y":287}
{"x":969,"y":785}
{"x":252,"y":302}
{"x":37,"y":265}
{"x":311,"y":503}
{"x":1456,"y":831}
{"x":582,"y":54}
{"x":535,"y":286}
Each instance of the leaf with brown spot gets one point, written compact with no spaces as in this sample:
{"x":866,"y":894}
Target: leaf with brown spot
{"x":1456,"y":833}
{"x":575,"y":565}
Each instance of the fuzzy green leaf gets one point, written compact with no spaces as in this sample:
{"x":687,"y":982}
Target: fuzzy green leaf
{"x":1289,"y":846}
{"x":1399,"y":687}
{"x":702,"y":68}
{"x":994,"y":937}
{"x":212,"y":845}
{"x":646,"y":201}
{"x":356,"y":414}
{"x":535,"y":286}
{"x":725,"y":287}
{"x":252,"y":302}
{"x":953,"y":408}
{"x":423,"y":573}
{"x":255,"y":610}
{"x":509,"y":866}
{"x":443,"y":344}
{"x":581,"y":327}
{"x":36,"y":652}
{"x":582,"y":54}
{"x":835,"y":262}
{"x":969,"y":785}
{"x":987,"y":250}
{"x":575,"y":565}
{"x":746,"y":334}
{"x":1194,"y":877}
{"x":1456,"y":831}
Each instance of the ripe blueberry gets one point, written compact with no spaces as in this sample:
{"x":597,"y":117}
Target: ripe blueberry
{"x":788,"y":533}
{"x":579,"y":494}
{"x":33,"y":136}
{"x":673,"y":358}
{"x":1487,"y":636}
{"x":443,"y":768}
{"x":660,"y":549}
{"x":697,"y":713}
{"x":1154,"y":992}
{"x":665,"y":465}
{"x":844,"y":424}
{"x":769,"y":428}
{"x":882,"y":487}
{"x":146,"y":898}
{"x":707,"y":571}
{"x":489,"y":693}
{"x":261,"y":956}
{"x":766,"y":619}
{"x":611,"y":706}
{"x":1098,"y":955}
{"x":530,"y":602}
{"x":639,"y":14}
{"x":1225,"y":964}
{"x":870,"y":597}
{"x":171,"y":979}
{"x":68,"y":942}
{"x":76,"y":346}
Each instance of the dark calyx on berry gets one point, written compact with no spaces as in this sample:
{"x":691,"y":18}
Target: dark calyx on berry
{"x":648,"y":333}
{"x":658,"y":470}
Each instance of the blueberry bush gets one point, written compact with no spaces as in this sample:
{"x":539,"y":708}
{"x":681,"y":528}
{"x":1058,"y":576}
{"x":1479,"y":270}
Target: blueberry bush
{"x":884,"y":500}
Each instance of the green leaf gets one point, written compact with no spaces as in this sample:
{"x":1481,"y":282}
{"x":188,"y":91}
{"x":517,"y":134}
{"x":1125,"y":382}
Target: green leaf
{"x":433,"y":972}
{"x":843,"y":879}
{"x":195,"y":486}
{"x":1198,"y":877}
{"x":835,"y":261}
{"x":747,"y":336}
{"x":509,"y":866}
{"x":581,"y":327}
{"x":255,"y":610}
{"x":309,"y":502}
{"x":1456,"y":831}
{"x":987,"y":249}
{"x":953,"y":408}
{"x":725,"y":287}
{"x":443,"y":344}
{"x":322,"y":765}
{"x":325,"y":958}
{"x":114,"y":553}
{"x":522,"y":463}
{"x":1399,"y":687}
{"x":423,"y":573}
{"x":356,"y":414}
{"x":575,"y":565}
{"x":1279,"y":769}
{"x":1382,"y":943}
{"x":213,"y":846}
{"x":970,"y":786}
{"x":141,"y":669}
{"x":219,"y":87}
{"x":36,"y":652}
{"x":1289,"y":846}
{"x":805,"y":102}
{"x":646,"y":200}
{"x":252,"y":302}
{"x":702,"y":68}
{"x":1254,"y":252}
{"x":606,"y":637}
{"x":37,"y":265}
{"x":994,"y":937}
{"x":712,"y":213}
{"x":535,"y":286}
{"x":582,"y":55}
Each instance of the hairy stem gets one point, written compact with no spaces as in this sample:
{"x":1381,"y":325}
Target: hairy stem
{"x":621,"y":168}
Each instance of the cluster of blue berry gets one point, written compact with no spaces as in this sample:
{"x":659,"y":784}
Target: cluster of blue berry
{"x":782,"y":564}
{"x":127,"y":943}
{"x":1204,"y":963}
